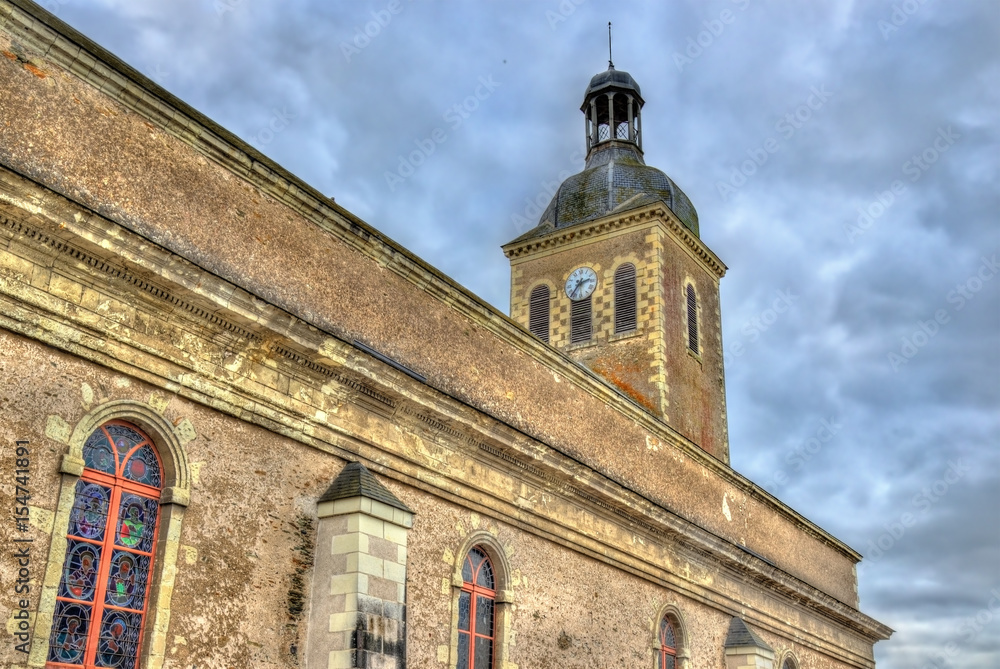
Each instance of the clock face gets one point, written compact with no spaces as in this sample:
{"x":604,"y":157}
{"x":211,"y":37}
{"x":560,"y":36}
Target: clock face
{"x":581,"y":283}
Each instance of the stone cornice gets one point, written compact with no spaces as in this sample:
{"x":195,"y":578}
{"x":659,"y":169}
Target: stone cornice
{"x":58,"y":42}
{"x":81,"y":243}
{"x":656,"y":212}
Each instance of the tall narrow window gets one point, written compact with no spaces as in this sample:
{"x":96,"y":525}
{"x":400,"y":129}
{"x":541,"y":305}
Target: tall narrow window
{"x":788,"y":663}
{"x":580,"y":320}
{"x":625,"y":298}
{"x":667,"y":657}
{"x":692,"y":310}
{"x":476,"y":604}
{"x":538,"y":313}
{"x":103,"y":593}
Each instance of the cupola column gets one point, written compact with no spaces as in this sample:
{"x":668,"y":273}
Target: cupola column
{"x":594,"y":136}
{"x":611,"y":116}
{"x":639,"y":130}
{"x":631,"y":131}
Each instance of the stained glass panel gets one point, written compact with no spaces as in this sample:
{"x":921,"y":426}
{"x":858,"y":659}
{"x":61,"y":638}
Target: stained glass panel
{"x":463,"y":651}
{"x":80,"y":570}
{"x":485,"y":576}
{"x":667,"y":634}
{"x":90,"y":510}
{"x":119,"y":642}
{"x":127,"y":578}
{"x":125,"y":439}
{"x":467,"y":568}
{"x":464,"y":606}
{"x":101,"y":597}
{"x":136,"y":522}
{"x":68,"y":640}
{"x":143,"y":467}
{"x":484,"y":653}
{"x":484,"y":615}
{"x":97,"y":453}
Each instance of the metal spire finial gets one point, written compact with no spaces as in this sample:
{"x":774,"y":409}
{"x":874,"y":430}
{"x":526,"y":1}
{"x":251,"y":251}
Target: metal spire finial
{"x":611,"y":64}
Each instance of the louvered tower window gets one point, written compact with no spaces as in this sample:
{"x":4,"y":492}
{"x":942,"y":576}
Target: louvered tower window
{"x":538,"y":313}
{"x":580,"y":320}
{"x":625,"y":298}
{"x":692,"y":309}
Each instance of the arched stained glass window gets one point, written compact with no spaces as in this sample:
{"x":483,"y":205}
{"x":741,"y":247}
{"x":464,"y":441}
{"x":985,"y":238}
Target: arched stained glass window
{"x":103,"y":592}
{"x":476,"y":605}
{"x":667,"y":657}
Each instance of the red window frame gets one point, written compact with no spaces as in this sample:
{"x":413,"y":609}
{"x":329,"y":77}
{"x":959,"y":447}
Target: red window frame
{"x":667,"y":655}
{"x":480,"y":588}
{"x":110,"y":551}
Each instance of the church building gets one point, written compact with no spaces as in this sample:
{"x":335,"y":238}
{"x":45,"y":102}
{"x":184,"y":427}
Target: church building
{"x":242,"y":428}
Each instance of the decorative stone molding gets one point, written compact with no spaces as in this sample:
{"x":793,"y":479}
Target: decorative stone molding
{"x":612,"y":222}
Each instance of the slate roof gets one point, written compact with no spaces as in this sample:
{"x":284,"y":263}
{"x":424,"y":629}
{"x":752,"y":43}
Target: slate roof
{"x":615,"y":179}
{"x":612,"y":78}
{"x":741,"y":635}
{"x":355,"y":480}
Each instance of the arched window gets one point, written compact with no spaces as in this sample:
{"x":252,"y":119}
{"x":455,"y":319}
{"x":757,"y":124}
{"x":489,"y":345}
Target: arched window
{"x":789,"y":663}
{"x":667,"y":655}
{"x":580,"y":320}
{"x":625,"y":303}
{"x":538,"y":313}
{"x":692,"y":313}
{"x":103,"y":593}
{"x":476,"y":604}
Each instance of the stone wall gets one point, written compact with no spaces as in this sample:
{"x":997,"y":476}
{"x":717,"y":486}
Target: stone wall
{"x":242,"y":218}
{"x":115,"y":293}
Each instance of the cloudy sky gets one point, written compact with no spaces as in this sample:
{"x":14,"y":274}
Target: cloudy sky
{"x":843,"y":156}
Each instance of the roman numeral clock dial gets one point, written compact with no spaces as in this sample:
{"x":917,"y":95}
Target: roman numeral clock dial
{"x":581,"y":283}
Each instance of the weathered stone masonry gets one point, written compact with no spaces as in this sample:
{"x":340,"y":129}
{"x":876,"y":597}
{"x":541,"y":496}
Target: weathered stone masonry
{"x":119,"y":299}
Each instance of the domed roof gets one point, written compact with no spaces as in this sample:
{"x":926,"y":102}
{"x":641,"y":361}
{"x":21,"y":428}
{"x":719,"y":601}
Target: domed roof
{"x":612,"y":78}
{"x":615,"y":179}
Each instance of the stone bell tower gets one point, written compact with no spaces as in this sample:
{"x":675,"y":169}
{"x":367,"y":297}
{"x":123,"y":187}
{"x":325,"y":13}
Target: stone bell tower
{"x":616,"y":276}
